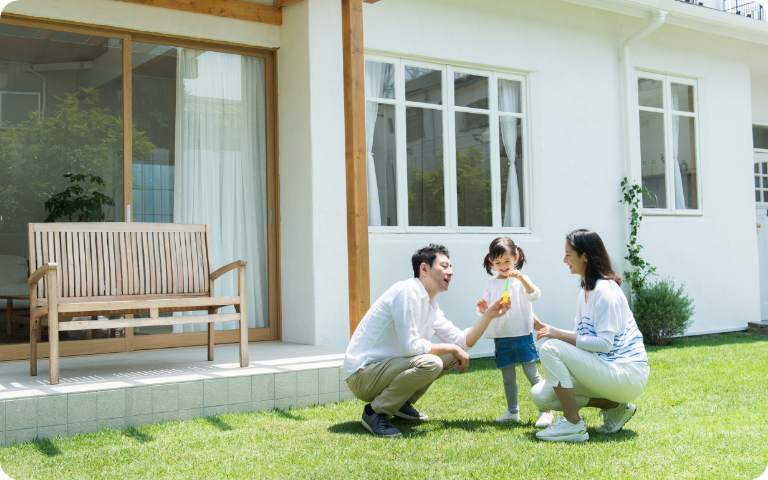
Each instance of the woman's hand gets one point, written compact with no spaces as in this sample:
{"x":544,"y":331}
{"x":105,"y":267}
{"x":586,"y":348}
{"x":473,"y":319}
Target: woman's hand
{"x":482,"y":305}
{"x":547,"y":331}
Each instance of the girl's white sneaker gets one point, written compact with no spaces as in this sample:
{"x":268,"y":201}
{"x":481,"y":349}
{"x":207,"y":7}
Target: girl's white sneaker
{"x":545,"y":419}
{"x":509,"y":417}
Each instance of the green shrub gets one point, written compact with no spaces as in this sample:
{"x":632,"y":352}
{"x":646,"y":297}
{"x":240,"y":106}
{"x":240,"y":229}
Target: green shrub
{"x":661,"y":312}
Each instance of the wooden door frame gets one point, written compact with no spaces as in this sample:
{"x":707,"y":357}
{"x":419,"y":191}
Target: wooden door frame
{"x":20,"y":352}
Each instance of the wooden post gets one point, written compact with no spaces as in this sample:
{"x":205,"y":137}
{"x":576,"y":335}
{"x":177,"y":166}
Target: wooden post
{"x":357,"y":187}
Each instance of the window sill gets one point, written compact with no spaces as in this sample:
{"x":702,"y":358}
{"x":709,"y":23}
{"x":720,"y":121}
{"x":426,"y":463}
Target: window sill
{"x":449,"y":231}
{"x":669,"y":213}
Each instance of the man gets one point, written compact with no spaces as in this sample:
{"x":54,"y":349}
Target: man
{"x":390,"y":361}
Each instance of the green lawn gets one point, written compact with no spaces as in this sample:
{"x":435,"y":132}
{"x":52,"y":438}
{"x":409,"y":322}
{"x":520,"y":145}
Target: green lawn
{"x":703,"y":415}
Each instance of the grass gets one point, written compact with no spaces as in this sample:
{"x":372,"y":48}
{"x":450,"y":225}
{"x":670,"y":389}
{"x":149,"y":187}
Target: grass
{"x":701,"y":416}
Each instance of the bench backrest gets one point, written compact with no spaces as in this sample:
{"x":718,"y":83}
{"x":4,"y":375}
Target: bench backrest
{"x":103,"y":260}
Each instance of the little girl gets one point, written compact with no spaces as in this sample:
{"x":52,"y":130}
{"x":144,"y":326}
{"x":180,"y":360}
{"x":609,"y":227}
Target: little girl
{"x":511,"y":333}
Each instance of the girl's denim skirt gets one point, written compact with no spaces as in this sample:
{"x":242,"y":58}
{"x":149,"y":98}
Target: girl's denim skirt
{"x":514,"y":350}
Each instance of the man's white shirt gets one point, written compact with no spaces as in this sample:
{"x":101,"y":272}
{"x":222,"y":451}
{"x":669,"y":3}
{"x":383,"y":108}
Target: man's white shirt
{"x":400,"y":324}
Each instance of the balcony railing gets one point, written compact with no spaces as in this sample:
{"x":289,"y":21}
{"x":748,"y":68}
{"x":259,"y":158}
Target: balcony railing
{"x":747,"y":9}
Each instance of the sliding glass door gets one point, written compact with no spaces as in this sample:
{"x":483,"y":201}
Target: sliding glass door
{"x":197,"y":146}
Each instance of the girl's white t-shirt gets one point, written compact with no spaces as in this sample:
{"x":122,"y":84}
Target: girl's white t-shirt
{"x":518,"y":321}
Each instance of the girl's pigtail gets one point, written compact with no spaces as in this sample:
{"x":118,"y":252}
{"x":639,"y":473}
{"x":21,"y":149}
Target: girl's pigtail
{"x":487,"y":265}
{"x":521,"y":260}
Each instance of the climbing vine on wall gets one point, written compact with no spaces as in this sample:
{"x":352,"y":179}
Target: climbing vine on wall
{"x":640,"y":270}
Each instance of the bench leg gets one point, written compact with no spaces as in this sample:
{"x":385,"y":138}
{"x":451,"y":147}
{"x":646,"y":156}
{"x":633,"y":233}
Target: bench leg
{"x":34,"y":328}
{"x":8,"y":316}
{"x":211,"y":311}
{"x":242,"y":309}
{"x":53,"y":328}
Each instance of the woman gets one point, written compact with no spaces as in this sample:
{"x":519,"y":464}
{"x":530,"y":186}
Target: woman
{"x":602,"y":363}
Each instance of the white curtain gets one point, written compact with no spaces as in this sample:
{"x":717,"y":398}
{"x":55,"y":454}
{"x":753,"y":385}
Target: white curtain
{"x":374,"y":87}
{"x":509,"y":101}
{"x":679,"y":195}
{"x":220,"y":170}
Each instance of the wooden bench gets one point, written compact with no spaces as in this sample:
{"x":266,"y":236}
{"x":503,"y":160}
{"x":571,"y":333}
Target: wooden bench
{"x":123,"y":269}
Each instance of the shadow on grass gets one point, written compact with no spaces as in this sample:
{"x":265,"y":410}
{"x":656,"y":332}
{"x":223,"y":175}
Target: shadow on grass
{"x":419,"y":429}
{"x":711,"y":340}
{"x":218,"y":423}
{"x":46,"y":447}
{"x":138,"y":435}
{"x":594,"y":437}
{"x":289,"y":415}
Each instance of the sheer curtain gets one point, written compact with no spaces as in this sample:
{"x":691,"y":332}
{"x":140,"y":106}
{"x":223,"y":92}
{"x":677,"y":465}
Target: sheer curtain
{"x":374,"y":87}
{"x":220,"y":171}
{"x":679,"y":194}
{"x":509,"y":101}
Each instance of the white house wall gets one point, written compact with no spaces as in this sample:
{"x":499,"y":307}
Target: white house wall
{"x":577,"y":158}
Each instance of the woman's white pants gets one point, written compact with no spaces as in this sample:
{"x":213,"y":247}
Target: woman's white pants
{"x":569,"y":366}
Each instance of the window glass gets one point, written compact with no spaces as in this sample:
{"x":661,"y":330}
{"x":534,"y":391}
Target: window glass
{"x":511,"y":170}
{"x":470,"y":90}
{"x":684,"y":162}
{"x":61,"y":114}
{"x":652,"y":157}
{"x":509,"y":96}
{"x":199,"y":157}
{"x":760,"y":136}
{"x":650,"y":93}
{"x":383,"y":152}
{"x":761,"y":177}
{"x":425,"y":163}
{"x":682,"y":97}
{"x":473,"y":170}
{"x":423,"y":85}
{"x":379,"y":79}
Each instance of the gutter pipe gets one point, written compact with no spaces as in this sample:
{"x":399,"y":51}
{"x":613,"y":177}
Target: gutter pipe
{"x":624,"y":60}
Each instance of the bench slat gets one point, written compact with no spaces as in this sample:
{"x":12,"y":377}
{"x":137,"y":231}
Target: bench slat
{"x":147,"y":304}
{"x":148,"y":322}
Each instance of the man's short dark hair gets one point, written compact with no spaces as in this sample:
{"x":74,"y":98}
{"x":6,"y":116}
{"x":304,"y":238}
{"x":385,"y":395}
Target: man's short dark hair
{"x":427,"y":255}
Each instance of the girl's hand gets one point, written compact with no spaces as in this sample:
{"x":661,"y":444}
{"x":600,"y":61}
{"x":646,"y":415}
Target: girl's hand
{"x":537,"y":325}
{"x":482,"y":305}
{"x":515,"y":274}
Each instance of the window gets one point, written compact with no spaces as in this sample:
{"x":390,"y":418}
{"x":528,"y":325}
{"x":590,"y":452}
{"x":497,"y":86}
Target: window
{"x":460,"y":165}
{"x":669,"y":160}
{"x":760,"y":144}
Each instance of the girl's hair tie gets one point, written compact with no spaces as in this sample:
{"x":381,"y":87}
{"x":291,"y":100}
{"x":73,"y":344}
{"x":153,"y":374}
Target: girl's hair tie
{"x":517,"y":245}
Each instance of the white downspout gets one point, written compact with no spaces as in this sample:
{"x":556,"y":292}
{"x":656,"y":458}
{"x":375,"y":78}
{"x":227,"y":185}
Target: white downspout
{"x":626,"y":69}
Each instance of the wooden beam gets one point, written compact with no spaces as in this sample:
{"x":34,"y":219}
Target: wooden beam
{"x":239,"y":10}
{"x":357,"y":186}
{"x":282,"y":3}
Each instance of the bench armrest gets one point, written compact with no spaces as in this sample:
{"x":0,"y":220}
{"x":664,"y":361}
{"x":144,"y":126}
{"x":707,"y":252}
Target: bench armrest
{"x":227,"y":268}
{"x":35,"y":277}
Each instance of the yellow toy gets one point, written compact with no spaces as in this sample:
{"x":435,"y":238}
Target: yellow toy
{"x":505,"y":297}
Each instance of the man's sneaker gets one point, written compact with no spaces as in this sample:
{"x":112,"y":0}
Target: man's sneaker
{"x":545,"y":419}
{"x":615,"y":418}
{"x":379,"y":425}
{"x":509,"y":417}
{"x":409,"y":413}
{"x":564,"y":431}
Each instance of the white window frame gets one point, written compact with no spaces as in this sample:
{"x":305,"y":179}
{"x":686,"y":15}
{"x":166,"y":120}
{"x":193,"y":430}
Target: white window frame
{"x":449,"y":144}
{"x":759,"y":205}
{"x":667,"y":81}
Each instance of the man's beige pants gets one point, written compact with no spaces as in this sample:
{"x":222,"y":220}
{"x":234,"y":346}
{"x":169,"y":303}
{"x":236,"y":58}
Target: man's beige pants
{"x":390,"y":383}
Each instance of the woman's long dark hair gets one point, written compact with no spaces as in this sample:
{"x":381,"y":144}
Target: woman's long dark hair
{"x":599,"y":265}
{"x":499,"y":247}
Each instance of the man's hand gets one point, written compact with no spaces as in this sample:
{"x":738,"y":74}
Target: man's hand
{"x":497,"y":308}
{"x":482,"y":305}
{"x":463,"y":358}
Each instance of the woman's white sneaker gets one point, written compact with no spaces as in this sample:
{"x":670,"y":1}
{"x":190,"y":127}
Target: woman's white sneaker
{"x":564,"y":431}
{"x":545,"y":419}
{"x":615,"y":418}
{"x":509,"y":417}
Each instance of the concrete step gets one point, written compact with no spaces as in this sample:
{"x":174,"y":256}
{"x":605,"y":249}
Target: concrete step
{"x":758,"y":328}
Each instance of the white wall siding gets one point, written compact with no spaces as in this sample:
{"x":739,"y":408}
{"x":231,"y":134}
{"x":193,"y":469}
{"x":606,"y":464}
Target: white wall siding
{"x":576,"y":155}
